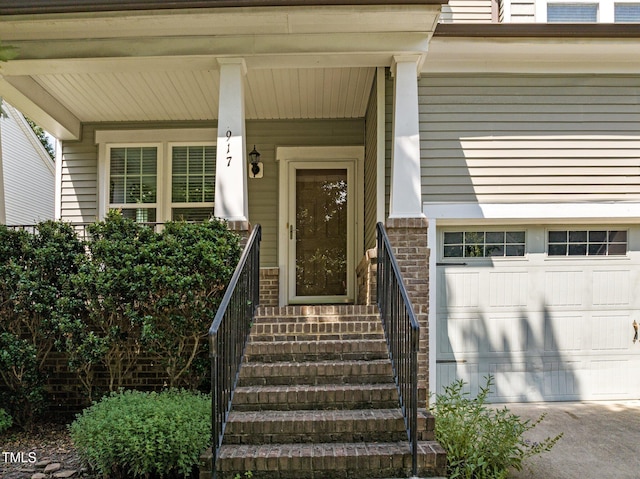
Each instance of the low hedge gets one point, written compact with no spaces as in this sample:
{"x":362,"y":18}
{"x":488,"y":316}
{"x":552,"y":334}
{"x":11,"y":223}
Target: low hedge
{"x":133,"y":434}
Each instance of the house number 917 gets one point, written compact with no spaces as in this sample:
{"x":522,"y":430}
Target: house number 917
{"x":228,"y":147}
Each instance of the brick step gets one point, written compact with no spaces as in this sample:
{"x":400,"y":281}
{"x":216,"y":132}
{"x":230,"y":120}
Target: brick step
{"x":327,"y":460}
{"x":314,"y":331}
{"x":303,"y":397}
{"x":314,"y":373}
{"x":300,"y":312}
{"x":323,"y":350}
{"x":359,"y":425}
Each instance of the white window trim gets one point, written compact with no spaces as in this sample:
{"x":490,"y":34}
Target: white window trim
{"x":486,"y":229}
{"x":163,"y":139}
{"x":606,"y":8}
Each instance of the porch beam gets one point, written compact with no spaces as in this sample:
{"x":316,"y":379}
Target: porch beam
{"x":36,"y":103}
{"x":406,"y":191}
{"x":231,"y":199}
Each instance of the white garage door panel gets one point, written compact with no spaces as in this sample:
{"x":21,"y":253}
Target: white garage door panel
{"x":546,"y":328}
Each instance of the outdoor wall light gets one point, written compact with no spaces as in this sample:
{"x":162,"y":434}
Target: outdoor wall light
{"x":256,"y":164}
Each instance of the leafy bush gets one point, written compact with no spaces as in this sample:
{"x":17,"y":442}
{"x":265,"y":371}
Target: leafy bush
{"x":5,"y":421}
{"x":152,"y":435}
{"x":141,"y":291}
{"x":482,"y":442}
{"x":36,"y":270}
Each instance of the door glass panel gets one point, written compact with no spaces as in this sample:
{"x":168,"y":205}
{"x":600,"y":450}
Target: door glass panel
{"x":321,"y":232}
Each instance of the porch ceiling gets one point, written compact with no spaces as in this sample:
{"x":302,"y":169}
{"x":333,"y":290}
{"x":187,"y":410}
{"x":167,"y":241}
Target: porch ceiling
{"x":175,"y":95}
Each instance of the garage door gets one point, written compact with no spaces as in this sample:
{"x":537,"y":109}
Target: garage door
{"x":549,"y":312}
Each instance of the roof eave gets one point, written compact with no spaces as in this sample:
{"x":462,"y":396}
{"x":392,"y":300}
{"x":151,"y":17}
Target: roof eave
{"x":31,"y":7}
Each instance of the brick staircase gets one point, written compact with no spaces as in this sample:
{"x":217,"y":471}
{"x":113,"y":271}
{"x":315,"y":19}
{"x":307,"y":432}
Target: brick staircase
{"x":316,"y":399}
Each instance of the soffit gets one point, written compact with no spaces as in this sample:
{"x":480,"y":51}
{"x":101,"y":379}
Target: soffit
{"x":193,"y":94}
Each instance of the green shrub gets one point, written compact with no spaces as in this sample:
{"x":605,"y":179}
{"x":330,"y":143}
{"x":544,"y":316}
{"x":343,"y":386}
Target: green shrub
{"x":152,"y":435}
{"x":5,"y":420}
{"x":482,"y":442}
{"x":36,"y":270}
{"x":147,"y":292}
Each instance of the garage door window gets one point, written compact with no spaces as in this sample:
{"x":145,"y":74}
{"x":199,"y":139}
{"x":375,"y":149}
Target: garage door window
{"x":483,"y":244}
{"x":587,"y":243}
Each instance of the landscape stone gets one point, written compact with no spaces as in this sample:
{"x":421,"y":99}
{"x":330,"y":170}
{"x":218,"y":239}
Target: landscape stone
{"x":53,"y":467}
{"x":64,"y":474}
{"x":43,"y":463}
{"x":39,"y":475}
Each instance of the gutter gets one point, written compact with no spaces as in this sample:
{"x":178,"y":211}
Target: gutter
{"x":538,"y":30}
{"x":32,"y":7}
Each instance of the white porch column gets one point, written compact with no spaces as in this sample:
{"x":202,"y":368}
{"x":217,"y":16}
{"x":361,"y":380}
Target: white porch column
{"x":231,"y":199}
{"x":406,"y":195}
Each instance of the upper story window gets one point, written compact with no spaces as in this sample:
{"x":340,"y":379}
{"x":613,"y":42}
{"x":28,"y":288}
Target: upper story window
{"x":587,"y":11}
{"x":572,"y":12}
{"x":161,"y":175}
{"x":626,"y":12}
{"x":483,"y":244}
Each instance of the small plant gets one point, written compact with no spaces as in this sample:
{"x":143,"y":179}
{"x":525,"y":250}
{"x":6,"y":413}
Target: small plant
{"x":482,"y":442}
{"x":247,"y":474}
{"x":5,"y":421}
{"x":134,"y":434}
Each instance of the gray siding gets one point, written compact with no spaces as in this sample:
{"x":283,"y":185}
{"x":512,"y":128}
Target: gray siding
{"x":370,"y":169}
{"x":29,"y":173}
{"x":388,"y":134}
{"x":466,"y":11}
{"x":79,"y":175}
{"x":530,"y":138}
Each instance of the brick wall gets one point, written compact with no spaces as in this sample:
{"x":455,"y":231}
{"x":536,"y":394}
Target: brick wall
{"x":269,"y":286}
{"x":366,"y":274}
{"x":408,"y":238}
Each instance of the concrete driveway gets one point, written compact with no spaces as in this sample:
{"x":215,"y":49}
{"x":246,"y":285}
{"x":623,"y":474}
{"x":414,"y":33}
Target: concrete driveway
{"x":601,"y":440}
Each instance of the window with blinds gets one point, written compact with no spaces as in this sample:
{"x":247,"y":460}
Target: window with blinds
{"x":627,"y":12}
{"x":133,"y":182}
{"x":192,"y":182}
{"x":572,"y":12}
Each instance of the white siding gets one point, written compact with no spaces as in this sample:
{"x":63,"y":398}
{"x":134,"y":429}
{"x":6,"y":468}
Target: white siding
{"x":29,"y":173}
{"x":530,"y":138}
{"x":466,"y":11}
{"x":522,"y":11}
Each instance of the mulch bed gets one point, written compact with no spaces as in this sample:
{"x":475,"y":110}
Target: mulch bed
{"x":24,"y":453}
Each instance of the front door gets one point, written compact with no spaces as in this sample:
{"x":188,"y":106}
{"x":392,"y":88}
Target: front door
{"x":320,"y":232}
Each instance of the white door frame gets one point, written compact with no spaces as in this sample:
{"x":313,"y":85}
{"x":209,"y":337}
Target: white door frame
{"x":290,"y":158}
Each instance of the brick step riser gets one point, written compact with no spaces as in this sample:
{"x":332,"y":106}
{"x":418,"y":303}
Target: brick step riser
{"x":296,"y":398}
{"x":312,"y":431}
{"x":319,"y":319}
{"x":313,"y":311}
{"x":341,"y":461}
{"x":302,"y":329}
{"x":308,"y":351}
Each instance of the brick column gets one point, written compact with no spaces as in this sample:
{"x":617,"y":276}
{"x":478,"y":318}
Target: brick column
{"x":408,"y":238}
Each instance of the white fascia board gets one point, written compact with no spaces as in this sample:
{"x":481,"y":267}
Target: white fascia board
{"x":532,"y":56}
{"x":454,"y":213}
{"x":33,"y":101}
{"x":223,"y":21}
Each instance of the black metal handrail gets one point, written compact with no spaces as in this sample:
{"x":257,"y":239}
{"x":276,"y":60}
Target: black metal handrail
{"x":229,"y":334}
{"x":402,"y":333}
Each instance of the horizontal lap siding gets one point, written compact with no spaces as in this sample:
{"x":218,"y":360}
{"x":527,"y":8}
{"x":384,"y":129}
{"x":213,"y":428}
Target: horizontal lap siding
{"x":466,"y":11}
{"x":528,"y":139}
{"x":370,"y":170}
